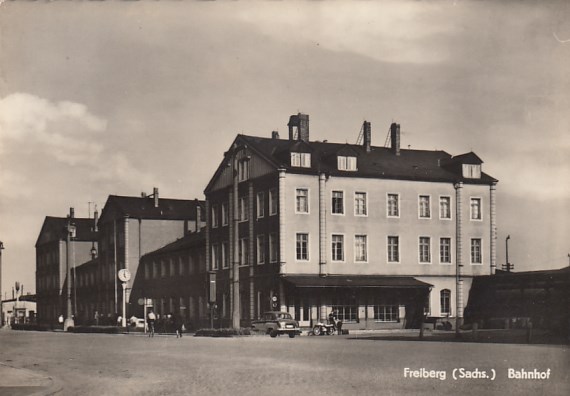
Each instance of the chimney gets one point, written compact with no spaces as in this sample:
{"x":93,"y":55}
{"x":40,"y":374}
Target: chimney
{"x":395,"y":138}
{"x":155,"y":195}
{"x":367,"y":135}
{"x":71,"y":213}
{"x":198,"y":215}
{"x":299,"y":127}
{"x":96,"y":220}
{"x":274,"y":135}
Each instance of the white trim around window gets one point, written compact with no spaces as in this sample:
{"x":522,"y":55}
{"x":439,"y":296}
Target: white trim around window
{"x":422,"y":213}
{"x":421,"y":242}
{"x":365,"y":207}
{"x":480,"y":207}
{"x":397,"y":215}
{"x":306,"y":209}
{"x":355,"y":249}
{"x":343,"y":202}
{"x":343,"y":236}
{"x":450,"y":207}
{"x":450,"y":250}
{"x":388,"y":249}
{"x":480,"y":251}
{"x":308,"y":247}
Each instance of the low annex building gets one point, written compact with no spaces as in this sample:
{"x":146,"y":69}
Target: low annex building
{"x":375,"y":233}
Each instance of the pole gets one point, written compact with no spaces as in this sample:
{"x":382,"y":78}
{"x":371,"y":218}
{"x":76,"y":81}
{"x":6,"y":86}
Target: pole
{"x":124,"y":321}
{"x":68,"y":233}
{"x":1,"y":301}
{"x":507,"y":252}
{"x":236,"y":317}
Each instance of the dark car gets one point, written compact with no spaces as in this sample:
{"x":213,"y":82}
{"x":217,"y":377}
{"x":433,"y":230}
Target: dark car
{"x":275,"y":323}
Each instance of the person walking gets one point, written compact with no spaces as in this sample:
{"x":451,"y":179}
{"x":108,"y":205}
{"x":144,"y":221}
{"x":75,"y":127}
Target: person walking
{"x":151,"y":318}
{"x":177,"y":321}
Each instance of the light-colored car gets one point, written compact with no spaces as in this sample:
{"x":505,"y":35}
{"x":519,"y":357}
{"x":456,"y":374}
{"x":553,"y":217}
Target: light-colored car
{"x":275,"y":323}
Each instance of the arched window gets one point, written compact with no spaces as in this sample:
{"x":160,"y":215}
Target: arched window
{"x":445,"y":301}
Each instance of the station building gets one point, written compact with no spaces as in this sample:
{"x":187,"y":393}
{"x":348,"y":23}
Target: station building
{"x":382,"y":235}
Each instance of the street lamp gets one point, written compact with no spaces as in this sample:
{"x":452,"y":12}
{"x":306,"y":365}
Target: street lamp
{"x":1,"y":303}
{"x":69,"y":234}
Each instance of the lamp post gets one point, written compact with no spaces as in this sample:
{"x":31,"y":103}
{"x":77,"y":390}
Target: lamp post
{"x":1,"y":303}
{"x":69,"y":234}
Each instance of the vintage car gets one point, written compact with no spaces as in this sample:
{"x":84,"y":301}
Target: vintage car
{"x":275,"y":323}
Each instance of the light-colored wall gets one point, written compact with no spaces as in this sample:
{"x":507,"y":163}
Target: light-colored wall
{"x":377,"y":226}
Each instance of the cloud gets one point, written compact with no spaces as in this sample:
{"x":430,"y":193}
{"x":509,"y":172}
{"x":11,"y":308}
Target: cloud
{"x":63,"y":129}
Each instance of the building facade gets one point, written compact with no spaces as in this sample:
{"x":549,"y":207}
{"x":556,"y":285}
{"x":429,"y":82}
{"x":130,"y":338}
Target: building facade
{"x":382,"y":235}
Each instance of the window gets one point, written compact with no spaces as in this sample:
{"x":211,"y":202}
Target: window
{"x":425,"y":256}
{"x":346,"y":163}
{"x":225,"y":255}
{"x":386,"y":313}
{"x":273,"y":248}
{"x":393,"y":207}
{"x":445,"y":302}
{"x":181,"y":266}
{"x":444,"y":207}
{"x":393,"y":249}
{"x":475,"y":208}
{"x":260,"y":249}
{"x":225,"y":214}
{"x":476,"y":251}
{"x":260,"y":204}
{"x":302,"y":160}
{"x":215,"y":256}
{"x":147,"y":271}
{"x":338,"y":248}
{"x":360,"y":248}
{"x":172,"y":267}
{"x":163,"y":269}
{"x":302,"y":246}
{"x":471,"y":171}
{"x":424,"y":204}
{"x":154,"y":270}
{"x":243,"y":251}
{"x":302,"y":201}
{"x":272,"y":202}
{"x":445,"y":250}
{"x":214,"y":216}
{"x":337,"y":202}
{"x":346,"y":313}
{"x":243,"y":215}
{"x":360,"y":208}
{"x":243,"y":170}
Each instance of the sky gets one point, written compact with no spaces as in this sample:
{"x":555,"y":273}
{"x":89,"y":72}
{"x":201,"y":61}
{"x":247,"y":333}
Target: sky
{"x":101,"y":98}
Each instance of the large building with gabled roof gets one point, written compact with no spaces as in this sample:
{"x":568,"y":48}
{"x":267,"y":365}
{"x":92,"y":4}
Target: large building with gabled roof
{"x":382,"y":235}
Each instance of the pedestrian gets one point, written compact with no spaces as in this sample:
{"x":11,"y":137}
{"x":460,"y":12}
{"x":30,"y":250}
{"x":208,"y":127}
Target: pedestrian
{"x":119,"y":321}
{"x":177,"y":321}
{"x":96,"y":317}
{"x":151,"y":317}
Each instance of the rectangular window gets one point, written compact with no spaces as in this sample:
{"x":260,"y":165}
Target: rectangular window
{"x":225,"y":214}
{"x":243,"y":170}
{"x":425,"y":255}
{"x":163,"y":269}
{"x":272,"y":202}
{"x":215,"y":256}
{"x":147,"y":271}
{"x":172,"y":267}
{"x":471,"y":171}
{"x":243,"y":251}
{"x":260,"y":249}
{"x":338,"y":248}
{"x":386,"y":313}
{"x":154,"y":270}
{"x":393,"y":249}
{"x":302,"y":201}
{"x":346,"y":313}
{"x":214,"y":216}
{"x":243,"y":215}
{"x":476,"y":251}
{"x":360,"y":207}
{"x":424,"y":207}
{"x":445,"y":302}
{"x":445,"y":207}
{"x":273,"y":248}
{"x":302,"y":160}
{"x":181,"y":266}
{"x":302,"y":247}
{"x":225,"y":255}
{"x":445,"y":250}
{"x":260,"y":204}
{"x":360,"y":248}
{"x":475,"y":208}
{"x":347,"y":163}
{"x":337,"y":202}
{"x":393,"y":207}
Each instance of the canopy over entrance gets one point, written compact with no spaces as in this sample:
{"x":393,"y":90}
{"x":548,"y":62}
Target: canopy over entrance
{"x":359,"y":281}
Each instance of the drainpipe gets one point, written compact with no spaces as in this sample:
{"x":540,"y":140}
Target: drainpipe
{"x":493,"y":203}
{"x":322,"y":227}
{"x":459,"y":257}
{"x":282,"y":214}
{"x":236,"y":315}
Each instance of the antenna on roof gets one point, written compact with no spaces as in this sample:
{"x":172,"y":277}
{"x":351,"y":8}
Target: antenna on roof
{"x":360,"y":137}
{"x":387,"y":142}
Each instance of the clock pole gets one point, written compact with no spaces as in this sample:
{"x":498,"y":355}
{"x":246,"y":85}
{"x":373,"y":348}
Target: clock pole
{"x":124,"y":275}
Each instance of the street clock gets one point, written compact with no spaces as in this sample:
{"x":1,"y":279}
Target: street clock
{"x":124,"y":275}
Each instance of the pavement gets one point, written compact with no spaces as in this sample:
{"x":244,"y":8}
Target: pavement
{"x":16,"y":381}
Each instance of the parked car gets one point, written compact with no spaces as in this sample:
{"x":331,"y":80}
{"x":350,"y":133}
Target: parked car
{"x":276,"y":323}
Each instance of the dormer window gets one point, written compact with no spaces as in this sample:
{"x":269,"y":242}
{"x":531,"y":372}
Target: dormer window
{"x":346,"y":163}
{"x":302,"y":160}
{"x":471,"y":171}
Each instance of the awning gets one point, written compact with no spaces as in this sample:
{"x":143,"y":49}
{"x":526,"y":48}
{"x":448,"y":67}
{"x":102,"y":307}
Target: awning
{"x":362,"y":281}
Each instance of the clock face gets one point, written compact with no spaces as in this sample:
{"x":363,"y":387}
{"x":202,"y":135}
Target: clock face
{"x":124,"y":275}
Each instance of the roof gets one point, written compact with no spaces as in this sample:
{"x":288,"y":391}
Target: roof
{"x":53,"y":229}
{"x":356,"y":281}
{"x":143,"y":208}
{"x":188,"y":241}
{"x":379,"y":162}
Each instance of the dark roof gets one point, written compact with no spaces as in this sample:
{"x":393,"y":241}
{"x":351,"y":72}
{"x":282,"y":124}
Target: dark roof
{"x":188,"y":241}
{"x":379,"y":162}
{"x":355,"y":281}
{"x":143,"y":208}
{"x":53,"y":229}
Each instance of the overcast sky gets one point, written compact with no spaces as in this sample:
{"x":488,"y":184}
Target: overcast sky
{"x":100,"y":98}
